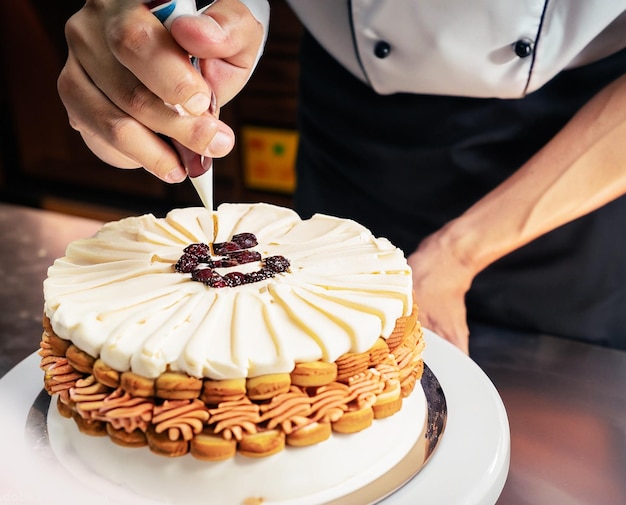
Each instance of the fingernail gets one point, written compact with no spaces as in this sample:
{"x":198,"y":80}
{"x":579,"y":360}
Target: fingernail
{"x":220,"y":145}
{"x":177,"y":174}
{"x":207,"y":163}
{"x":198,"y":104}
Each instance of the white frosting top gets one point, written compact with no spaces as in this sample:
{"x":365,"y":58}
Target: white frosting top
{"x":117,"y":295}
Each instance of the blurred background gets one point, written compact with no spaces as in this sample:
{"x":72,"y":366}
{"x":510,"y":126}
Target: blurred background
{"x":44,"y":163}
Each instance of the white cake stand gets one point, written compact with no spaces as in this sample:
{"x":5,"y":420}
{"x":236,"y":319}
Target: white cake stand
{"x":469,"y":466}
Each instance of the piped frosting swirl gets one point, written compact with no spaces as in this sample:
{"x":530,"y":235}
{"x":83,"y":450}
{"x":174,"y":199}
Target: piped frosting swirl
{"x":118,"y":297}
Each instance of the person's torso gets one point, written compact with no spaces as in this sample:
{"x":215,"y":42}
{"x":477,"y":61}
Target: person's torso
{"x":479,"y":48}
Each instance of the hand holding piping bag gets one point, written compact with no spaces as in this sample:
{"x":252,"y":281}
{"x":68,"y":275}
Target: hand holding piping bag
{"x":122,"y":68}
{"x":167,"y":12}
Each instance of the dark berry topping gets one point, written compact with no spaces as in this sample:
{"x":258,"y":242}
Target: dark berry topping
{"x":235,"y":279}
{"x":258,"y":275}
{"x":202,"y":274}
{"x":225,"y":262}
{"x":199,"y":249}
{"x":209,"y":277}
{"x":197,"y":260}
{"x":276,"y":264}
{"x":187,"y":263}
{"x":245,"y":240}
{"x":242,"y":257}
{"x":223,"y":248}
{"x":237,"y":243}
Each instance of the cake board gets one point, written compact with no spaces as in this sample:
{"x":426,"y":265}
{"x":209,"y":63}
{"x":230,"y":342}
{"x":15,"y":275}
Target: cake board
{"x":473,"y":454}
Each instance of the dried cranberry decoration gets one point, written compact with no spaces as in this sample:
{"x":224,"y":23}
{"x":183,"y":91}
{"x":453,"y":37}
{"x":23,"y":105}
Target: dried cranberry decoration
{"x":197,"y":260}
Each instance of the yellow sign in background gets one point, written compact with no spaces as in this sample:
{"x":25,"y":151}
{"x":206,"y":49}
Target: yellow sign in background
{"x":269,"y":157}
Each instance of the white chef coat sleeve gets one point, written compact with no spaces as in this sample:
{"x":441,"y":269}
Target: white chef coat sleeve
{"x":260,"y":9}
{"x":478,"y":48}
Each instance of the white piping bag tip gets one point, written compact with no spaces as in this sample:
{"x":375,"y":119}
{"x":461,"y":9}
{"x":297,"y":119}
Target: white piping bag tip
{"x":204,"y":183}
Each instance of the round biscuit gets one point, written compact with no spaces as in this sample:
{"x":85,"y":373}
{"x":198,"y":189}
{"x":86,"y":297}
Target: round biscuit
{"x":262,"y":443}
{"x":313,"y":373}
{"x":264,"y":387}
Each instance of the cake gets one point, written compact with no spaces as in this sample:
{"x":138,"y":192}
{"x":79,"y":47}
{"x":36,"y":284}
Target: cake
{"x":241,"y":331}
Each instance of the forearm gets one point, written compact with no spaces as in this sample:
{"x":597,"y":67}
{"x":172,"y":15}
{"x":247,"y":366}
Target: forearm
{"x":580,"y":170}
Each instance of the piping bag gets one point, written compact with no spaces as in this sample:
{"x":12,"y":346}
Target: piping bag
{"x":167,"y":11}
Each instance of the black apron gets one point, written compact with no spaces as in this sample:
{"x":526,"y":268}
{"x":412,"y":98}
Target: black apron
{"x":405,"y":164}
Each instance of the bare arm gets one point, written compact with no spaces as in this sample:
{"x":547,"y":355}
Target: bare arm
{"x":581,"y":169}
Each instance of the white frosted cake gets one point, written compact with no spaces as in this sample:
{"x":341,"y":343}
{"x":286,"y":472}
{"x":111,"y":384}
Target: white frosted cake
{"x":232,"y":334}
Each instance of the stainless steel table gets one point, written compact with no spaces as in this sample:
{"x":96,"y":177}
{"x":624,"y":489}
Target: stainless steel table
{"x":566,"y":401}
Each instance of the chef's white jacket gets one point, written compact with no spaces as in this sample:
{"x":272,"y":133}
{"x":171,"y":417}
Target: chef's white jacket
{"x":477,"y":48}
